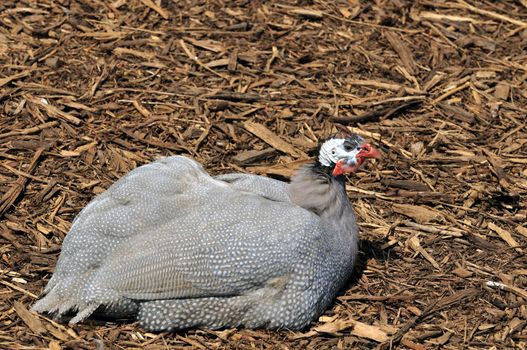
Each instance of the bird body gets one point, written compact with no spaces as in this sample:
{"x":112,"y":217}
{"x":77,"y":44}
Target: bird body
{"x":176,"y":248}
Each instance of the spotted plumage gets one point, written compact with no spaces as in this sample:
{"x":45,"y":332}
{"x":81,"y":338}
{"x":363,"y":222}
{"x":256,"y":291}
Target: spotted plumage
{"x":176,"y":248}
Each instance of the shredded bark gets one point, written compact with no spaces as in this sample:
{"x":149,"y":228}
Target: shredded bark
{"x":89,"y":90}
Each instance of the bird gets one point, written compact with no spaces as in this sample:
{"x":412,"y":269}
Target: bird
{"x":174,"y":248}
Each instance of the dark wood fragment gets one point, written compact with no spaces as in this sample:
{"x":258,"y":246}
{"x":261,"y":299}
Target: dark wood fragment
{"x":378,"y":113}
{"x":252,"y":156}
{"x":405,"y":184}
{"x":234,"y":96}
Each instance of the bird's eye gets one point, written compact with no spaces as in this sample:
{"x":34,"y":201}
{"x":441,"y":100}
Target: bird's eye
{"x":333,"y":152}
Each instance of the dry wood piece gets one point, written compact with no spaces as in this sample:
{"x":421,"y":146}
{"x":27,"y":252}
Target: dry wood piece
{"x":414,"y":243}
{"x":432,"y":16}
{"x":385,"y":86}
{"x":30,"y":130}
{"x":252,"y":156}
{"x":234,"y":96}
{"x":403,"y":51}
{"x":14,"y":191}
{"x":7,"y":80}
{"x":405,"y":184}
{"x":420,"y":214}
{"x":195,"y":58}
{"x":141,"y":109}
{"x":272,"y":139}
{"x":210,"y":45}
{"x":52,"y":111}
{"x":410,"y":344}
{"x":518,"y":291}
{"x":31,"y":320}
{"x":457,"y":112}
{"x":492,"y":14}
{"x":156,"y":8}
{"x":366,"y":331}
{"x":376,"y":114}
{"x":506,"y":236}
{"x":359,"y":329}
{"x":521,"y":230}
{"x":153,"y":142}
{"x":502,"y":91}
{"x":461,"y":272}
{"x":121,"y":51}
{"x":312,"y":14}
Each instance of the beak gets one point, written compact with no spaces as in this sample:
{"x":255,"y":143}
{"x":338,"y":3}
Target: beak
{"x":368,"y":151}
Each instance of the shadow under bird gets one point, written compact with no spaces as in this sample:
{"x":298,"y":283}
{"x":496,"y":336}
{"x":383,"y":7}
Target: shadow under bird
{"x":175,"y":248}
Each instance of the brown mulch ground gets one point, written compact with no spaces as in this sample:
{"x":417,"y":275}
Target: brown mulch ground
{"x":90,"y":90}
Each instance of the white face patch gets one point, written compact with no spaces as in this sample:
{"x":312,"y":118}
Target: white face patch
{"x":333,"y":150}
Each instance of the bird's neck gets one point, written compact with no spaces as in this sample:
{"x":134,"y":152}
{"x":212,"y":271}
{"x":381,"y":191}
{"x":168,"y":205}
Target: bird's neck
{"x":314,"y":188}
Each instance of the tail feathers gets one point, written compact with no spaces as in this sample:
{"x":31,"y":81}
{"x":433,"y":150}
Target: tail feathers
{"x":84,"y":313}
{"x":58,"y":304}
{"x":49,"y":303}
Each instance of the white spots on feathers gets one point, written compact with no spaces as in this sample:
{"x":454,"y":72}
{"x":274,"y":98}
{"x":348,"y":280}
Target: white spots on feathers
{"x":176,"y":248}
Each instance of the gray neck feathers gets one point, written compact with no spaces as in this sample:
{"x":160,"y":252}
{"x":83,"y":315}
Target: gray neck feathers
{"x":315,"y":189}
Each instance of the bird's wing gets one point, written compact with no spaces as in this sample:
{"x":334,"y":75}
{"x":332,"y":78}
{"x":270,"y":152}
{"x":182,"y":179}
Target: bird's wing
{"x":262,"y":186}
{"x":169,"y":230}
{"x":135,"y":204}
{"x":229,"y":243}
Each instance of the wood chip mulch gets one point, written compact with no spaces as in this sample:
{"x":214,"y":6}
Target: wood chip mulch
{"x":91,"y":89}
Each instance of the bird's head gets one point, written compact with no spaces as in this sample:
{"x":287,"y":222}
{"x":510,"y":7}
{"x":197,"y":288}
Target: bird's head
{"x":345,"y":153}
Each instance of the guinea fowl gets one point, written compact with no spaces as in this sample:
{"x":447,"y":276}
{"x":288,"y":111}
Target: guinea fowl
{"x":175,"y":248}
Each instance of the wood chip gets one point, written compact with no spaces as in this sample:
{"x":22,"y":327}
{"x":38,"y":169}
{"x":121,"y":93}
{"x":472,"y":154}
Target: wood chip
{"x":510,"y":288}
{"x":410,"y":344}
{"x":334,"y":327}
{"x":122,"y":51}
{"x":308,"y":13}
{"x":506,"y":236}
{"x":52,"y":111}
{"x":141,"y":109}
{"x":521,"y":230}
{"x":272,"y":139}
{"x":415,"y":244}
{"x":433,"y":16}
{"x":29,"y":319}
{"x":406,"y":184}
{"x":403,"y":51}
{"x":502,"y":91}
{"x":461,"y":272}
{"x":359,"y":329}
{"x":442,"y":340}
{"x":54,"y":345}
{"x":252,"y":156}
{"x":156,"y":8}
{"x":7,"y":80}
{"x":420,"y":214}
{"x":364,"y":330}
{"x":211,"y":45}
